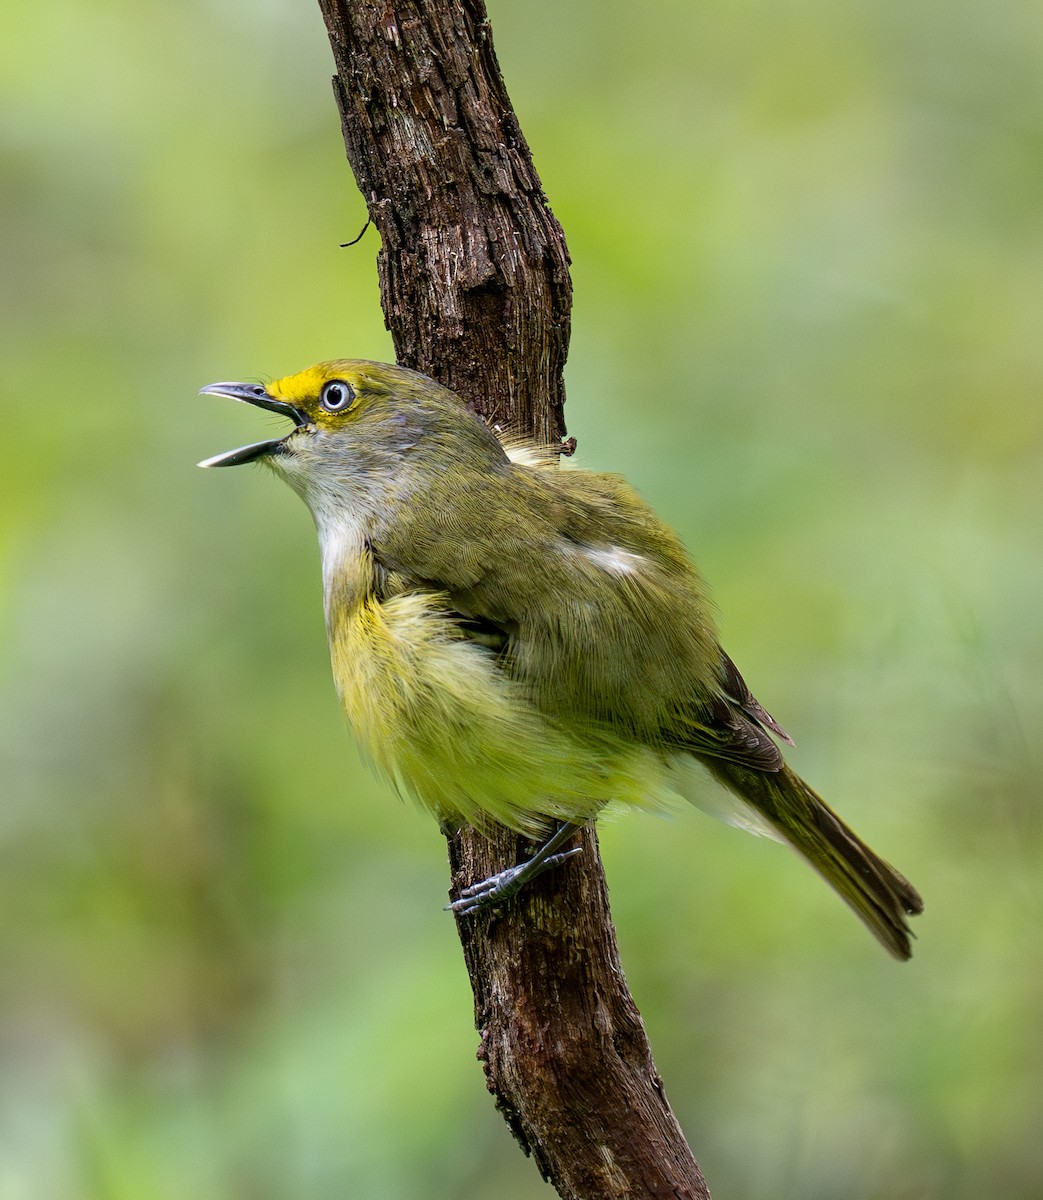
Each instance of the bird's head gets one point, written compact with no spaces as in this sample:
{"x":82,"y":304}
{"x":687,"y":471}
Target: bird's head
{"x":360,"y":426}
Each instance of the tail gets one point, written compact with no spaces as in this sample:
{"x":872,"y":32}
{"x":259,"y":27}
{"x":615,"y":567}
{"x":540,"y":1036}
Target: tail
{"x":873,"y":888}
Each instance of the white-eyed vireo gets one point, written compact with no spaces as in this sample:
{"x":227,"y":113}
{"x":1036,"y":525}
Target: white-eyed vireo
{"x":522,"y":644}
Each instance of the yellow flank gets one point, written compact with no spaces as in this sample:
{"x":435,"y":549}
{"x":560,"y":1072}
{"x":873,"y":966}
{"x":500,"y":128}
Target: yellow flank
{"x":434,"y":714}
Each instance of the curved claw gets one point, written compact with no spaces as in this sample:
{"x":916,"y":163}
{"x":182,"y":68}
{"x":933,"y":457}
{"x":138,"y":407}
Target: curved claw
{"x":498,"y":888}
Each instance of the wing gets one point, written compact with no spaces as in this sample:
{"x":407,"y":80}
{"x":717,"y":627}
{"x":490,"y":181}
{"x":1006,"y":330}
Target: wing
{"x":733,"y":726}
{"x":579,"y":591}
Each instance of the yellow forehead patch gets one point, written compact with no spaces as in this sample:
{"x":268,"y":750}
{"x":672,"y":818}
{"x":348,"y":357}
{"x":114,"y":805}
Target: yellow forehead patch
{"x":306,"y":384}
{"x":305,"y":389}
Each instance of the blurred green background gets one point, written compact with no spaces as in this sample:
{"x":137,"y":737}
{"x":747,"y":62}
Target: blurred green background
{"x":808,"y":257}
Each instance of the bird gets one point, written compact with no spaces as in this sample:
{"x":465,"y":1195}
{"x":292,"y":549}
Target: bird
{"x":519,"y":644}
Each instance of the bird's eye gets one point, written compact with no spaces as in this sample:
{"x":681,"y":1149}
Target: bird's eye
{"x":336,"y":396}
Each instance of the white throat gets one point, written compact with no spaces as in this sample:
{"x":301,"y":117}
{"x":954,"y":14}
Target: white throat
{"x":342,"y":545}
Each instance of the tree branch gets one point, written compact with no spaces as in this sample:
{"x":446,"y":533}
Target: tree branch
{"x":476,"y":292}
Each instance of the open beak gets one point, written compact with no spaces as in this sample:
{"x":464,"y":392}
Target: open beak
{"x":251,"y":393}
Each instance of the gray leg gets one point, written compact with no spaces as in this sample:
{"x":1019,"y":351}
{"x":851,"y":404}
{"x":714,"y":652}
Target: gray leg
{"x":488,"y":893}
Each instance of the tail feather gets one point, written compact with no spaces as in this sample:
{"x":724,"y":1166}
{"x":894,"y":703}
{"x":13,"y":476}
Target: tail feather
{"x":879,"y":895}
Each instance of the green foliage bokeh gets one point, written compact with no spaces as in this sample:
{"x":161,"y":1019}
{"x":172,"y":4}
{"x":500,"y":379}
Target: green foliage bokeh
{"x":809,"y":287}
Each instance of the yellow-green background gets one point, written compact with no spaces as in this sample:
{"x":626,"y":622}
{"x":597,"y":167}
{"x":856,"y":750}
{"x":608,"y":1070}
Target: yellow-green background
{"x":808,"y":257}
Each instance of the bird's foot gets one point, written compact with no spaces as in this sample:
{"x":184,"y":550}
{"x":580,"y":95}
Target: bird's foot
{"x":499,"y":888}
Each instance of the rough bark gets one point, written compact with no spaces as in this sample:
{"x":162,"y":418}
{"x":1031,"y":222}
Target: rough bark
{"x":476,"y":292}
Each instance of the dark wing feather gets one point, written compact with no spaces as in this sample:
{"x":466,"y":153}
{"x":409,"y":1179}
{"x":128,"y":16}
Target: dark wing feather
{"x":720,"y":729}
{"x":482,"y":631}
{"x":732,"y":726}
{"x":736,"y":690}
